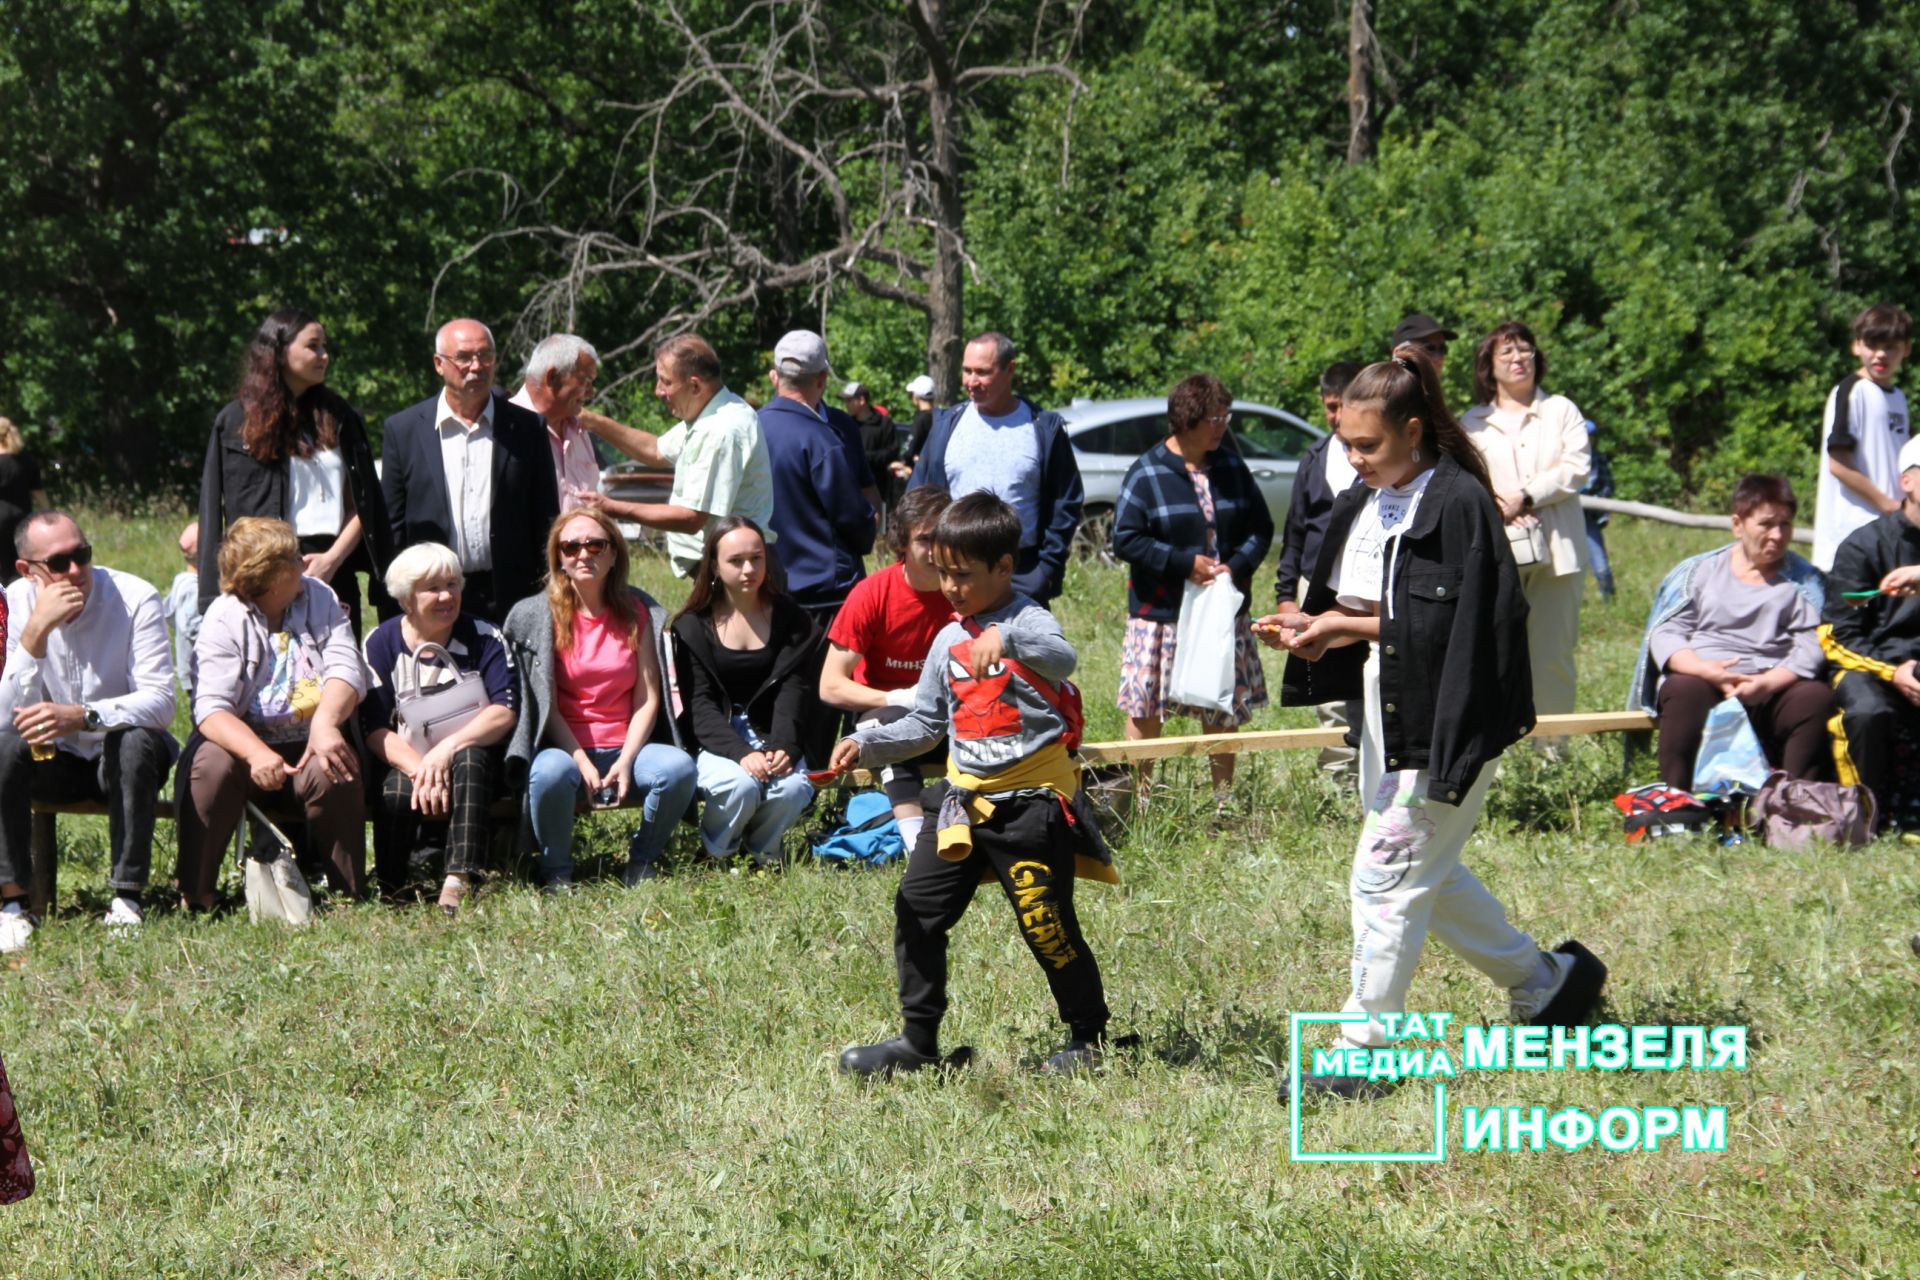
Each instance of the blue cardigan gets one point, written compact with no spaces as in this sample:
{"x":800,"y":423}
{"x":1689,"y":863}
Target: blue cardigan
{"x":1157,"y":528}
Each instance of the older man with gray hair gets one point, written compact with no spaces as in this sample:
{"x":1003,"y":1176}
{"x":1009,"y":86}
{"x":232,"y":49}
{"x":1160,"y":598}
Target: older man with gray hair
{"x":557,"y":385}
{"x":471,"y":470}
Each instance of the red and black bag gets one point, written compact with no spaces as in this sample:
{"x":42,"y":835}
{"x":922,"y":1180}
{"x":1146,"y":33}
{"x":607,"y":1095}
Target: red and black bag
{"x":1657,"y":810}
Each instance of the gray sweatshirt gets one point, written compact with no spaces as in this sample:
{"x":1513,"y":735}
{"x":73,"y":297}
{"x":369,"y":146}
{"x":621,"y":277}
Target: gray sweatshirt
{"x":996,"y":722}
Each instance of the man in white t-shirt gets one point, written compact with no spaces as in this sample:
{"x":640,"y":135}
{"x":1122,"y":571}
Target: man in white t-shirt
{"x":1865,"y":425}
{"x":1000,"y":443}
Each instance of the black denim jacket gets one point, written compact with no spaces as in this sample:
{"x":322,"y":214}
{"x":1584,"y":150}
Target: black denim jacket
{"x":1456,"y":688}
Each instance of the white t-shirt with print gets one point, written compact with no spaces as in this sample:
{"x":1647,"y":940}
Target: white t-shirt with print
{"x":1358,"y":580}
{"x":1879,"y":426}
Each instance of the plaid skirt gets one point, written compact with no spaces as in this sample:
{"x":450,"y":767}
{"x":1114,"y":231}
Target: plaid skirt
{"x":1146,"y":664}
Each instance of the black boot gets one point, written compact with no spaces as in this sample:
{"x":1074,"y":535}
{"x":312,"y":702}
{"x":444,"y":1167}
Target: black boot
{"x":886,"y":1059}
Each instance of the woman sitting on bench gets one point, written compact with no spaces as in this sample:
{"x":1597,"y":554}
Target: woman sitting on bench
{"x":456,"y":777}
{"x":276,"y":681}
{"x":593,"y":722}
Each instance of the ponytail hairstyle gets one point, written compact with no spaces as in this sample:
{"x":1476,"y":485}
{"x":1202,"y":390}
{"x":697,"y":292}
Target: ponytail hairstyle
{"x":1407,"y":387}
{"x":274,"y":425}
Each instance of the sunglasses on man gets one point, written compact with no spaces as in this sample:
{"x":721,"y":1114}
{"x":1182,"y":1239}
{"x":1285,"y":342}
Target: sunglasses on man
{"x":65,"y":560}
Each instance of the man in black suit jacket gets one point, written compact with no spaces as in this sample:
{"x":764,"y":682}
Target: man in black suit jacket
{"x":470,"y":469}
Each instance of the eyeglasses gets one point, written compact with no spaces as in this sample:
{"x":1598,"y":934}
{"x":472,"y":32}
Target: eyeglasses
{"x":584,"y":546}
{"x":65,"y":560}
{"x":461,"y":359}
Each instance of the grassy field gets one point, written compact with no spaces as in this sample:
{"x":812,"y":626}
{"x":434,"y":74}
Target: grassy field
{"x":639,"y":1083}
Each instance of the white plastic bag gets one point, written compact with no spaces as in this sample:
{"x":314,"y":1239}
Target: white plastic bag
{"x":1203,"y":655}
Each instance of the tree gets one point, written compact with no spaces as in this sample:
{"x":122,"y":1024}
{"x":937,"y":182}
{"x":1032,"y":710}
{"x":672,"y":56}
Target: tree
{"x":805,"y":145}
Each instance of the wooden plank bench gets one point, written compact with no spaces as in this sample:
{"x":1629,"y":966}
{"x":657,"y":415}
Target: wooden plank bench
{"x":44,"y":891}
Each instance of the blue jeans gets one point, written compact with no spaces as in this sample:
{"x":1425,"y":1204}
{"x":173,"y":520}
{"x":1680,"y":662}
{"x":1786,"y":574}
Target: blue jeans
{"x":663,"y":776}
{"x":1597,"y":554}
{"x":740,"y":809}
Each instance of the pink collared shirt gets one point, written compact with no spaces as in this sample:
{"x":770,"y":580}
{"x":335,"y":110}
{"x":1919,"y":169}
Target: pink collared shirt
{"x":576,"y":468}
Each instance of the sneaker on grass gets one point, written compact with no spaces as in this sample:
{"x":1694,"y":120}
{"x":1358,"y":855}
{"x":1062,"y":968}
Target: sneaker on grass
{"x":1566,"y":993}
{"x":124,"y":917}
{"x":16,"y":927}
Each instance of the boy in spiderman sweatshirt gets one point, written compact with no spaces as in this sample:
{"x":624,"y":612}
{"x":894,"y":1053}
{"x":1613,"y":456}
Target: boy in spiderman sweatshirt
{"x":1013,"y":809}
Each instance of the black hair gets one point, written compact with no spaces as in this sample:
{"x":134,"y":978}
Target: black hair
{"x":1335,"y":377}
{"x":1883,"y":322}
{"x":979,"y":527}
{"x":916,"y":509}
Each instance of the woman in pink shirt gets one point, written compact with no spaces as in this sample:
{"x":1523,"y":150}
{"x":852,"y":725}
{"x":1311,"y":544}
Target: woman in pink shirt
{"x":593,"y":723}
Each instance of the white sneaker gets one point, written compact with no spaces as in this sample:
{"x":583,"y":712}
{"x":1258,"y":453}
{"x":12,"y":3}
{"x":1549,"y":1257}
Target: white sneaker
{"x":1525,"y":1003}
{"x":123,"y":918}
{"x":16,"y":928}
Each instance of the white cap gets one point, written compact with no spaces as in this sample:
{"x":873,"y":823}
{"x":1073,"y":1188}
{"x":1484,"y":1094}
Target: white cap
{"x":853,"y":389}
{"x":801,"y":354}
{"x":921,"y":386}
{"x":1910,"y":454}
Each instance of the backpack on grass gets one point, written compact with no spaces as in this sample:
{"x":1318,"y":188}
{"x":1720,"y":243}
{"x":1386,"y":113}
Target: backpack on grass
{"x":870,"y":837}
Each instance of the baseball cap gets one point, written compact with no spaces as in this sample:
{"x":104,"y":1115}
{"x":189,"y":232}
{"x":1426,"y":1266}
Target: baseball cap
{"x":1416,"y":326}
{"x":921,"y":386}
{"x":801,"y":354}
{"x":1910,"y":454}
{"x":853,"y":389}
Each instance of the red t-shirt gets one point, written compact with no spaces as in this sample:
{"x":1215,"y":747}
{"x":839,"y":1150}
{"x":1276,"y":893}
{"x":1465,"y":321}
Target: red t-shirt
{"x":891,"y":626}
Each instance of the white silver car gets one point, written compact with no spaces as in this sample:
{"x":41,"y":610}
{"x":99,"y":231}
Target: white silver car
{"x":1108,"y":435}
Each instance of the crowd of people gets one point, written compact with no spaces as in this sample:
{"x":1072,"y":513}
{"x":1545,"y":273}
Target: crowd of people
{"x":1427,"y":597}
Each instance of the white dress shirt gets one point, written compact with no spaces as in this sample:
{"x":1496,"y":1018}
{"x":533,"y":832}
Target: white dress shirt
{"x":466,"y":457}
{"x":113,"y":657}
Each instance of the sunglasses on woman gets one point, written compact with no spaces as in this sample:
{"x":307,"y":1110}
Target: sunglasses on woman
{"x":584,"y":546}
{"x":65,"y":560}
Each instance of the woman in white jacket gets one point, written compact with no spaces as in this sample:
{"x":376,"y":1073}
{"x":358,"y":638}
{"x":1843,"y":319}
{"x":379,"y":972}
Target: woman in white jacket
{"x":1537,"y":453}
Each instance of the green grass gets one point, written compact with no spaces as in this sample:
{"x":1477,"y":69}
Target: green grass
{"x":641,"y":1082}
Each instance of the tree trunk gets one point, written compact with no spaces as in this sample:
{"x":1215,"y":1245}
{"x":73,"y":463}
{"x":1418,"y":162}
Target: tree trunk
{"x":947,"y":285}
{"x":1359,"y":81}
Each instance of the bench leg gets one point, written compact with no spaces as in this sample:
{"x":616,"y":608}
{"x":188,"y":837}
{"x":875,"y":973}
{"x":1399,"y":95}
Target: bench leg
{"x":44,"y":892}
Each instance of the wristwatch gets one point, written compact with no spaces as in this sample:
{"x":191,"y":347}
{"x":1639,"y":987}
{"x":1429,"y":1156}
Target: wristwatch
{"x":90,"y":718}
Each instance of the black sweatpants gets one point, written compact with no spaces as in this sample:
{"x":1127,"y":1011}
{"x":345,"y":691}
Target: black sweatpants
{"x":1029,"y":845}
{"x":1873,"y":717}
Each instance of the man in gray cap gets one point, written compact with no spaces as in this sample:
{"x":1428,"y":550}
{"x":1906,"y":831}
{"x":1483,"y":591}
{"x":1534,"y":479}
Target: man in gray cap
{"x":1428,"y":334}
{"x":823,"y":498}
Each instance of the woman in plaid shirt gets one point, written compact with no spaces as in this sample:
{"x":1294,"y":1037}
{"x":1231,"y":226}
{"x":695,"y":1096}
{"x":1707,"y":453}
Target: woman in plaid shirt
{"x":1188,"y":511}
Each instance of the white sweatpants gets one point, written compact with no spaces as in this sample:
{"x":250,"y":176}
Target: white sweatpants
{"x":1408,"y":881}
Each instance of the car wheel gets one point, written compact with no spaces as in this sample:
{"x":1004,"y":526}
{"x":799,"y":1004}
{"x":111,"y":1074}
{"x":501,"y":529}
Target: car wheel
{"x":1093,"y":540}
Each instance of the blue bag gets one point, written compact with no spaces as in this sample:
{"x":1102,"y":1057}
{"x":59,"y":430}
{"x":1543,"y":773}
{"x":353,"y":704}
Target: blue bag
{"x":1730,"y":751}
{"x":869,"y":838}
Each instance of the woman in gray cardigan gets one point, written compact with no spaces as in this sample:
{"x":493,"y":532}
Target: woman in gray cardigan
{"x":595,"y":700}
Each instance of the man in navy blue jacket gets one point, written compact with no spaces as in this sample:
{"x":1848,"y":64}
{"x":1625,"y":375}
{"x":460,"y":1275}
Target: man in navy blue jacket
{"x":1000,"y":443}
{"x":823,"y":518}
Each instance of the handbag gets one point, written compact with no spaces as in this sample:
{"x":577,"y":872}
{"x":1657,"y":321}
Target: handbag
{"x":1528,"y":539}
{"x":275,"y":888}
{"x":16,"y":1170}
{"x":426,"y":717}
{"x":1790,"y":812}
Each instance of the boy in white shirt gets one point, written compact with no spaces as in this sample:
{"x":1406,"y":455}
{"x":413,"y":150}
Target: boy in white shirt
{"x":1866,"y":423}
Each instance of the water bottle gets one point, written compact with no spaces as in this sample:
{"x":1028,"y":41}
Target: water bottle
{"x":30,"y":694}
